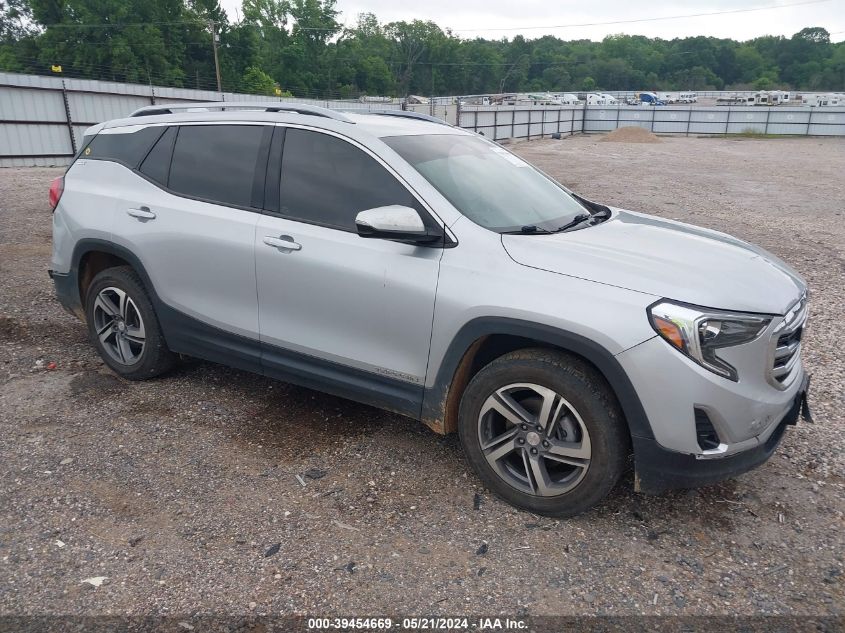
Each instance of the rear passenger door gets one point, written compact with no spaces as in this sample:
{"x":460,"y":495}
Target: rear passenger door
{"x":189,"y":215}
{"x":339,"y":312}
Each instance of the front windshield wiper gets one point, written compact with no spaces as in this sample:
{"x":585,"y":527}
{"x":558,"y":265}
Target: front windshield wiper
{"x":602,"y":213}
{"x":578,"y":219}
{"x":528,"y":229}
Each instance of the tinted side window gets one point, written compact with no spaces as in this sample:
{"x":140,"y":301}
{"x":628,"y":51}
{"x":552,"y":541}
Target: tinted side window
{"x":128,"y":149}
{"x":157,"y":163}
{"x":326,"y":180}
{"x":216,"y":162}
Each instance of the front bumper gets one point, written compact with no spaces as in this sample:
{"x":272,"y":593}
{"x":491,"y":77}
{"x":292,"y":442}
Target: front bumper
{"x":672,"y":388}
{"x":658,"y":469}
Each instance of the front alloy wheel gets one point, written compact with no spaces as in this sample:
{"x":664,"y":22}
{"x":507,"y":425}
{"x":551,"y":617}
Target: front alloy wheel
{"x":534,"y":439}
{"x":544,"y":431}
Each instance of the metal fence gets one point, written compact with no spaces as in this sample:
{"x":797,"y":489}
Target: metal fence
{"x":42,"y":119}
{"x":527,"y":122}
{"x":514,"y":122}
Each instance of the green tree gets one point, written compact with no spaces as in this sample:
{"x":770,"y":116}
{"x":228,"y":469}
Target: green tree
{"x":300,"y":46}
{"x":256,"y":81}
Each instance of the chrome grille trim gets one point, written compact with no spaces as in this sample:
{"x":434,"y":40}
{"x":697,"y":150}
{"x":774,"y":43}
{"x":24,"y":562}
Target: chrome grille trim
{"x":785,"y":347}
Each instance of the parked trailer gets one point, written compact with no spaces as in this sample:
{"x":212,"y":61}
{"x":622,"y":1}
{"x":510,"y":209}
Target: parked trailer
{"x":598,"y":98}
{"x":771,"y":98}
{"x":650,"y":99}
{"x":567,"y":98}
{"x":735,"y":100}
{"x":823,"y":99}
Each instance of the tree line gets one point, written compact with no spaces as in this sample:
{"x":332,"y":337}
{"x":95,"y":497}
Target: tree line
{"x":299,"y":47}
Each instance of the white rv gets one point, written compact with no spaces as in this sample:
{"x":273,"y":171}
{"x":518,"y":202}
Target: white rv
{"x":567,"y":98}
{"x":595,"y":98}
{"x":771,"y":98}
{"x":822,"y":99}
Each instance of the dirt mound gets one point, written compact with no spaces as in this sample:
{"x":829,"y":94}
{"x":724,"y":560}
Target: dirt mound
{"x":631,"y":134}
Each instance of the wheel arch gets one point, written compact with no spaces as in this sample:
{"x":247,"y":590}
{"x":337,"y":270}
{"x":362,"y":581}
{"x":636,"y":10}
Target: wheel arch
{"x":90,"y":256}
{"x":482,"y":340}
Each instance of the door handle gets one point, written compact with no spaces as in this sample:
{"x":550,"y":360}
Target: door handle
{"x":283,"y":241}
{"x":142,"y":213}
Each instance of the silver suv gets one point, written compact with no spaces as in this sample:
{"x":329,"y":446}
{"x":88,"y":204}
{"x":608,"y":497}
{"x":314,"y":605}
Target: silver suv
{"x":423,"y":269}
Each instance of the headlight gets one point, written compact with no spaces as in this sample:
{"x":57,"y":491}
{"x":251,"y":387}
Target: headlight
{"x":700,"y":332}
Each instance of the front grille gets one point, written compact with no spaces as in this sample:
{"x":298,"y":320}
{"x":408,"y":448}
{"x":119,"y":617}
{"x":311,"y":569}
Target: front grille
{"x":785,"y":350}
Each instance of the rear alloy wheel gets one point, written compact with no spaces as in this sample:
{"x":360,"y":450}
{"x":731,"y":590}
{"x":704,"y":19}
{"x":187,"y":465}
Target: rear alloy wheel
{"x":543,"y":430}
{"x":123,"y":325}
{"x":119,"y":325}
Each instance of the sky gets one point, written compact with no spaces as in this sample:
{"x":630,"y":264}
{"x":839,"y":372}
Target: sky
{"x":506,"y":18}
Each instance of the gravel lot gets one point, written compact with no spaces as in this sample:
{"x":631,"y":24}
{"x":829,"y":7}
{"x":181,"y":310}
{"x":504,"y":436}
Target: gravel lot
{"x":183,"y":491}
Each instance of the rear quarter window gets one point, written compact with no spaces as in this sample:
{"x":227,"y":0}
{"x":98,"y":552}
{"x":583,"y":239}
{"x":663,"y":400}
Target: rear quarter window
{"x":127,"y":148}
{"x":156,"y":165}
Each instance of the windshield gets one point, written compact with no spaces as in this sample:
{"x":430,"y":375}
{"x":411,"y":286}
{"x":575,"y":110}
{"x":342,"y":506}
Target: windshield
{"x":488,"y":184}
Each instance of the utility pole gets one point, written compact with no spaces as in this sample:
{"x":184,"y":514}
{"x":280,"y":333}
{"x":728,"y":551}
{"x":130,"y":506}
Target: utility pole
{"x":431,"y":100}
{"x":213,"y":26}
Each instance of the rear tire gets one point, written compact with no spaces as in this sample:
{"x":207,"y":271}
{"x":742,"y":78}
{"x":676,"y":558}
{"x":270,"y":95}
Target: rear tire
{"x":543,"y":430}
{"x":123,"y":326}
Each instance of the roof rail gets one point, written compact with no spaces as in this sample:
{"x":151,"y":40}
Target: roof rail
{"x":409,"y":114}
{"x":266,"y":106}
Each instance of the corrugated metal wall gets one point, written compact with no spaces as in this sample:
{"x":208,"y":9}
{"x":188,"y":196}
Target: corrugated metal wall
{"x":42,"y":119}
{"x":506,"y":122}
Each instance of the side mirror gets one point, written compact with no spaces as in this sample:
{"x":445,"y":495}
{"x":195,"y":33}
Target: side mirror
{"x":395,"y":222}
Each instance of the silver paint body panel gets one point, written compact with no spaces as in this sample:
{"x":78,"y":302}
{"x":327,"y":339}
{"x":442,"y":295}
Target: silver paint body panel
{"x":393,"y":309}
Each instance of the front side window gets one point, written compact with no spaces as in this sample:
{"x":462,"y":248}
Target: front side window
{"x":328,"y":181}
{"x":216,"y":163}
{"x":486,"y":183}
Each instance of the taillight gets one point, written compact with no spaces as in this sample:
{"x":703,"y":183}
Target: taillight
{"x":56,"y":189}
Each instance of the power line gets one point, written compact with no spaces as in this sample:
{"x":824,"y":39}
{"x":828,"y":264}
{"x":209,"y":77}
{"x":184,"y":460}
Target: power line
{"x":294,"y":25}
{"x":121,"y":25}
{"x":654,"y":19}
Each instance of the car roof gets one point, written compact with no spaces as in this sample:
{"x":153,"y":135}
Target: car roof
{"x":375,"y":124}
{"x":382,"y":124}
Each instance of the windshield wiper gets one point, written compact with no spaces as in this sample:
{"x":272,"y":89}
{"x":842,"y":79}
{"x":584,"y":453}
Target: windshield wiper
{"x":603,"y":213}
{"x":578,"y":219}
{"x":528,"y":229}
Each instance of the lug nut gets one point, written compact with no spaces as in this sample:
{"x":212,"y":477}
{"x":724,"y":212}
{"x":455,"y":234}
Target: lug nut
{"x":524,"y":427}
{"x":539,"y":428}
{"x":521,"y":440}
{"x":545,"y":444}
{"x":533,"y":451}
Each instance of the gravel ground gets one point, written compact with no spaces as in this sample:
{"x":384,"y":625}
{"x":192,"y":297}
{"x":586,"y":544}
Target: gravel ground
{"x":183,"y":491}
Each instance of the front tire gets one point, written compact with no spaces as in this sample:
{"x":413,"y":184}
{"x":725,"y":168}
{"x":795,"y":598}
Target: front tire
{"x":123,"y":326}
{"x":543,"y":431}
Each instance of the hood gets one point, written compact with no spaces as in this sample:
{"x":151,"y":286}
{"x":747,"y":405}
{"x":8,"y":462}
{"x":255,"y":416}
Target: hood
{"x":667,"y":259}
